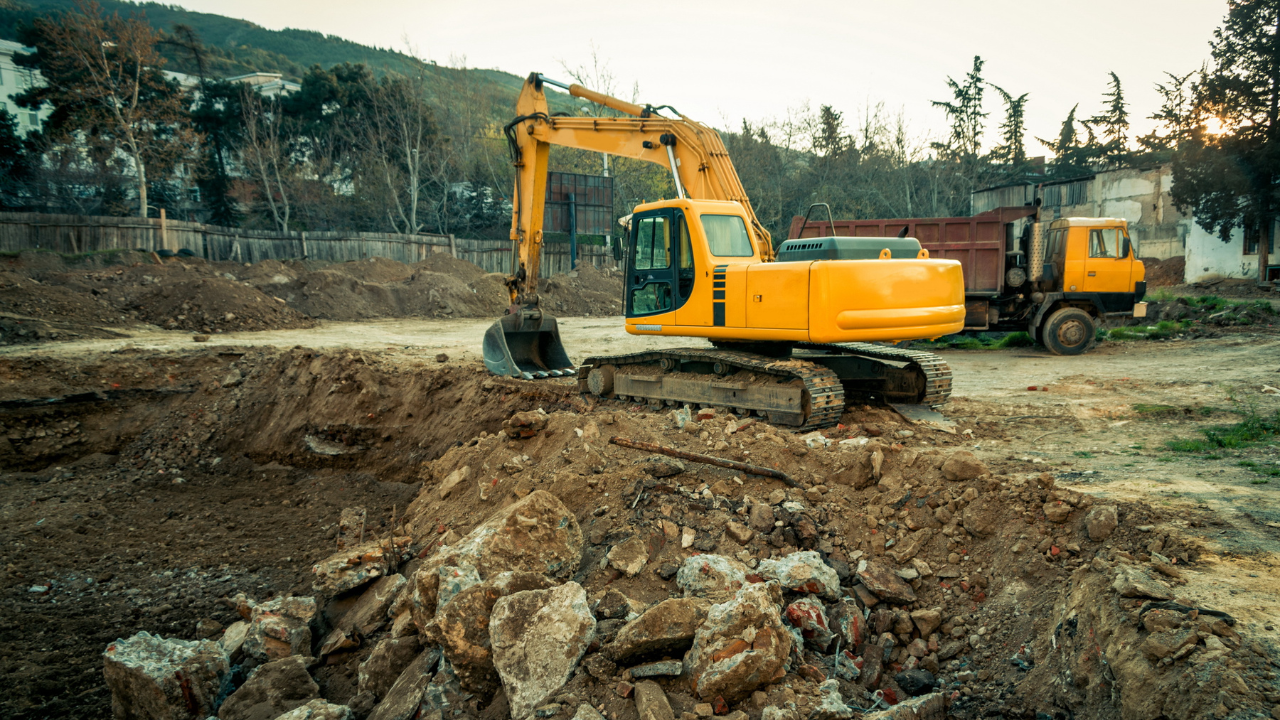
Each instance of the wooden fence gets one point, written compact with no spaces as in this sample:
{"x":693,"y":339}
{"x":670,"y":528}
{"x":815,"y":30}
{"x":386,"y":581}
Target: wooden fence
{"x":76,"y":234}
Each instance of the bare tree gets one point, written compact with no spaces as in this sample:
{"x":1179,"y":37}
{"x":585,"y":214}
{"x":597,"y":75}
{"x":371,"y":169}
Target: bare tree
{"x":267,"y":156}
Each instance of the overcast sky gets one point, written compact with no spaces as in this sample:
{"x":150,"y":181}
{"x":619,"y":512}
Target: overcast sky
{"x":720,"y":62}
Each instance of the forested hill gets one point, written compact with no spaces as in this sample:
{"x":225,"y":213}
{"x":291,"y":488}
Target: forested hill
{"x":234,"y":47}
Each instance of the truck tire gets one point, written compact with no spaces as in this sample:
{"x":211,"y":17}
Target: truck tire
{"x":1069,"y":331}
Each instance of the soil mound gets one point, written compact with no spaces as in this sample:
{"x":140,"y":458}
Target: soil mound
{"x":214,"y":304}
{"x":592,"y":292}
{"x":1165,"y":273}
{"x":447,"y":264}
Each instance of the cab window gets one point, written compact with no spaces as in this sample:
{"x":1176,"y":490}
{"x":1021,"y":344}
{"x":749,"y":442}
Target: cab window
{"x":727,"y":236}
{"x":1104,"y":243}
{"x":687,"y":270}
{"x":653,"y":244}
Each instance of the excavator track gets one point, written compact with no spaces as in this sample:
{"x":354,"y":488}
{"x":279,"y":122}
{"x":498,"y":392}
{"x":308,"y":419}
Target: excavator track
{"x":792,"y":392}
{"x":937,"y":374}
{"x":806,"y":389}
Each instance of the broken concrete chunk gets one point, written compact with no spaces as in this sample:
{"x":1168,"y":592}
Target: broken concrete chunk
{"x":368,"y":614}
{"x":389,"y":658}
{"x":926,"y":707}
{"x":831,"y":705}
{"x":151,"y":677}
{"x":452,"y":480}
{"x":537,"y":638}
{"x":847,"y":622}
{"x":232,"y":641}
{"x":714,"y":577}
{"x":525,"y":425}
{"x":271,"y":690}
{"x":358,"y":565}
{"x":461,"y":628}
{"x":803,"y":572}
{"x":741,"y":646}
{"x":454,"y":580}
{"x":657,"y":669}
{"x":318,"y":709}
{"x":963,"y":465}
{"x":629,"y":556}
{"x":651,"y":702}
{"x":926,"y":621}
{"x":280,"y":628}
{"x":910,"y":545}
{"x":405,"y":695}
{"x":537,"y":534}
{"x":1101,"y":521}
{"x":586,"y":712}
{"x":810,"y":618}
{"x":1132,"y":581}
{"x":667,"y":628}
{"x":740,"y":533}
{"x":885,"y":584}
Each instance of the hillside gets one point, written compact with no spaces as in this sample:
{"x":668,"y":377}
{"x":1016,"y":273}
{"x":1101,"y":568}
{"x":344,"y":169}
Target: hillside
{"x":236,"y":46}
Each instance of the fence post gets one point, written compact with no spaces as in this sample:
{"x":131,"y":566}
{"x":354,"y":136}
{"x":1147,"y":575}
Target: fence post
{"x":304,"y":244}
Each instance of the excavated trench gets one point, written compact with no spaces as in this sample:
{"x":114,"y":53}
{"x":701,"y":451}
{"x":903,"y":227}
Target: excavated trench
{"x":146,"y":491}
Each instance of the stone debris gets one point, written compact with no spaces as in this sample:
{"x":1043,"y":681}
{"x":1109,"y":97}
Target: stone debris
{"x":1135,"y":582}
{"x":524,"y":425}
{"x":962,"y":466}
{"x":358,"y":565}
{"x":741,"y":646}
{"x":659,"y":668}
{"x":537,"y":534}
{"x":537,"y":637}
{"x":630,"y":556}
{"x":271,"y":690}
{"x":714,"y":577}
{"x":232,"y":641}
{"x":925,"y":707}
{"x":667,"y":628}
{"x":385,"y":663}
{"x":405,"y":695}
{"x":651,"y":702}
{"x":831,"y":705}
{"x":461,"y":627}
{"x":809,"y":617}
{"x":885,"y":584}
{"x":153,"y":677}
{"x":1101,"y":521}
{"x":367,"y":615}
{"x":803,"y":572}
{"x":317,"y":710}
{"x":279,"y":628}
{"x":453,"y":480}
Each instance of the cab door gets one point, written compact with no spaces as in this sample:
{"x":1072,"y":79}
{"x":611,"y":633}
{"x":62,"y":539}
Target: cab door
{"x":651,"y":272}
{"x":1107,"y":264}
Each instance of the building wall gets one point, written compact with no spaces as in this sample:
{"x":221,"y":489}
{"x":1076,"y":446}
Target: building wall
{"x":14,"y":81}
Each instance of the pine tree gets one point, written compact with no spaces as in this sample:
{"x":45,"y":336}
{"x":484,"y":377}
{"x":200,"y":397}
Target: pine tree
{"x":1071,"y":156}
{"x":1012,"y":151}
{"x":1114,"y":124}
{"x":965,"y":113}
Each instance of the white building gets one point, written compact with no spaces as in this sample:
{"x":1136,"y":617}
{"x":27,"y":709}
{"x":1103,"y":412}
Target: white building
{"x":267,"y":84}
{"x":1142,"y":197}
{"x":16,"y":80}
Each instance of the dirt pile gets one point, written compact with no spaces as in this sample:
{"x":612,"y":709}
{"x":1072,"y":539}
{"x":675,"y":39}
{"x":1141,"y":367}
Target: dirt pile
{"x":1165,"y":273}
{"x":44,"y":296}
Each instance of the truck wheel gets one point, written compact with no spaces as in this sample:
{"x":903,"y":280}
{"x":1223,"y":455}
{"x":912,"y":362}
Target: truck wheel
{"x":1069,"y":331}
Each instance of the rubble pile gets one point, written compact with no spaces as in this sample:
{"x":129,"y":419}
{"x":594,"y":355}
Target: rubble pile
{"x":542,"y":572}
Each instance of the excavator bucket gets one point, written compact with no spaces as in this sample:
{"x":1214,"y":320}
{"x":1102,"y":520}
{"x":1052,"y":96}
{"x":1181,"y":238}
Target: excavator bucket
{"x":526,"y":345}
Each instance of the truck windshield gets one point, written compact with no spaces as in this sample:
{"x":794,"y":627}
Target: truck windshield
{"x":727,"y":236}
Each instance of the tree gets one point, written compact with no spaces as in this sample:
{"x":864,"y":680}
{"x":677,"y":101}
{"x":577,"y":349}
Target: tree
{"x":1114,"y":125}
{"x":1012,"y":151}
{"x":1071,"y":157}
{"x":1178,"y":115}
{"x":964,"y":111}
{"x":219,"y":117}
{"x":15,"y":167}
{"x":1228,"y":180}
{"x":266,"y":155}
{"x":104,"y":82}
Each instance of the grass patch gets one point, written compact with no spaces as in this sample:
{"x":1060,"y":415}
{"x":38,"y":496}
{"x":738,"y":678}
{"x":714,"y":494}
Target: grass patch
{"x":1152,"y":409}
{"x":1083,"y":454}
{"x":1166,"y":458}
{"x":1259,"y":482}
{"x":1014,"y":340}
{"x":1252,"y":429}
{"x":1162,"y":330}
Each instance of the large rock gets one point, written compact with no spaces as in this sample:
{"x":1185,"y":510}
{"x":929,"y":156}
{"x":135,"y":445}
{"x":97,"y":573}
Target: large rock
{"x":982,"y":516}
{"x":1056,"y":511}
{"x":389,"y":658}
{"x":1101,"y":521}
{"x":364,"y":617}
{"x":926,"y":621}
{"x":741,"y":646}
{"x":461,"y":628}
{"x":885,"y":584}
{"x":714,"y":577}
{"x":1136,"y":582}
{"x":271,"y":690}
{"x":926,"y":707}
{"x":358,"y":565}
{"x":667,"y":628}
{"x":280,"y":628}
{"x":651,"y":702}
{"x":910,"y":545}
{"x":151,"y":677}
{"x":963,"y":465}
{"x":848,"y":624}
{"x":405,"y":695}
{"x":803,"y":572}
{"x":538,"y":636}
{"x":537,"y":534}
{"x":318,"y":710}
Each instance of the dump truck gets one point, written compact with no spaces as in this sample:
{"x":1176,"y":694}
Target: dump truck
{"x":1057,"y":280}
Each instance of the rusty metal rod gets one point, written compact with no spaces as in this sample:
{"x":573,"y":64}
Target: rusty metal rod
{"x":709,"y":460}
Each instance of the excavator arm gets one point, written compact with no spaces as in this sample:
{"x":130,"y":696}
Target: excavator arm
{"x":526,"y":341}
{"x":698,"y":160}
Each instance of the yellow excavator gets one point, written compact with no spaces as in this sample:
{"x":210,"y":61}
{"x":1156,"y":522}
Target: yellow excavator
{"x":794,"y":333}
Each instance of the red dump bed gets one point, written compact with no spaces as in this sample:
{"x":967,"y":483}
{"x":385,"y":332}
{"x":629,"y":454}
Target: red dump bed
{"x":978,"y":242}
